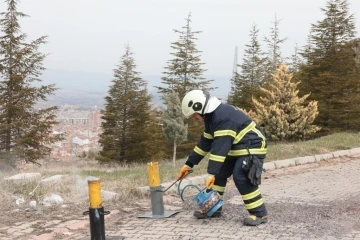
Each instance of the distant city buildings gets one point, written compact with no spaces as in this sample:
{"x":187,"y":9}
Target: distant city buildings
{"x":81,"y":127}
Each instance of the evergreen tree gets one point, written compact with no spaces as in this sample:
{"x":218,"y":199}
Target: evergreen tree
{"x":126,"y":115}
{"x":140,"y":113}
{"x":25,"y":130}
{"x":281,"y":112}
{"x":295,"y":62}
{"x":306,"y":51}
{"x":236,"y":91}
{"x":252,"y":68}
{"x":157,"y":146}
{"x":184,"y":72}
{"x":274,"y":58}
{"x":246,"y":84}
{"x":331,"y":73}
{"x":174,"y":127}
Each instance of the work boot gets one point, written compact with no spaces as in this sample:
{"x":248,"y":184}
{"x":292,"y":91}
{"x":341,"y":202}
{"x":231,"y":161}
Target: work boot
{"x":200,"y":215}
{"x":254,"y":220}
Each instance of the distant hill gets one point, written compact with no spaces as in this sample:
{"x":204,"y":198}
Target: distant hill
{"x":86,"y":88}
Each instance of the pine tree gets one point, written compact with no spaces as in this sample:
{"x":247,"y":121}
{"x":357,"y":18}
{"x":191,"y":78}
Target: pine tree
{"x":140,"y":113}
{"x":282,"y":113}
{"x":174,"y":127}
{"x":252,"y":68}
{"x":184,"y":72}
{"x":237,"y":90}
{"x":25,"y":130}
{"x":274,"y":58}
{"x":156,"y":145}
{"x":306,"y":51}
{"x":330,"y":72}
{"x":126,"y":115}
{"x":296,"y":59}
{"x":246,"y":84}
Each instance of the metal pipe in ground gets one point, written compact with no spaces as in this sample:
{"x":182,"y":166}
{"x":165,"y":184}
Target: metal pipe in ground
{"x":156,"y":194}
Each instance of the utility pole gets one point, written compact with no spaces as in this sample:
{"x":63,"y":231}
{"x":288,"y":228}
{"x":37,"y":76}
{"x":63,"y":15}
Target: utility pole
{"x":235,"y":62}
{"x":235,"y":67}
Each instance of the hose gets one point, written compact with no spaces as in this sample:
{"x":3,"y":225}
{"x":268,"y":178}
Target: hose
{"x":181,"y":191}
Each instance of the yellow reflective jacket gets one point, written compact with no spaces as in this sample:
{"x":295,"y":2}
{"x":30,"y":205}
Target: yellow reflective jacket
{"x":228,"y":132}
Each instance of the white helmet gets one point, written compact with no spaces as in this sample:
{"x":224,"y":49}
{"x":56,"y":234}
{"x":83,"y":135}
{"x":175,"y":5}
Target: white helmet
{"x":197,"y":101}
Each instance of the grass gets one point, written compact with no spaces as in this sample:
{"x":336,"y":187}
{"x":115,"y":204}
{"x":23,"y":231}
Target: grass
{"x":330,"y":143}
{"x":126,"y":179}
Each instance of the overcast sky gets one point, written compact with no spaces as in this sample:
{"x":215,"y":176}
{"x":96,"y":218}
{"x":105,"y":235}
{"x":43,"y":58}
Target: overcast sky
{"x":90,"y":35}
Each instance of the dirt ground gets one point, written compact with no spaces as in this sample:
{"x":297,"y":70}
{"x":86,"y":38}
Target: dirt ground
{"x":334,"y":214}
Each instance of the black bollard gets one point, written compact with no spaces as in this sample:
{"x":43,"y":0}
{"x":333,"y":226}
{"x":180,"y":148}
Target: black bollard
{"x":97,"y":223}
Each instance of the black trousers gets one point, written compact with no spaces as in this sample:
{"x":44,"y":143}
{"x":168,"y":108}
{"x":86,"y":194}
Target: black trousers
{"x":250,"y":194}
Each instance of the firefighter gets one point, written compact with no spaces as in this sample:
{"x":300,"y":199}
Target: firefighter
{"x":236,"y":146}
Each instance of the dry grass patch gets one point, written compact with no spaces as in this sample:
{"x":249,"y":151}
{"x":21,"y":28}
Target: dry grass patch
{"x":331,"y":143}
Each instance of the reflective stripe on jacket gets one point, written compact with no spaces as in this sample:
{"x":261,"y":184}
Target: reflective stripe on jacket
{"x":228,"y":132}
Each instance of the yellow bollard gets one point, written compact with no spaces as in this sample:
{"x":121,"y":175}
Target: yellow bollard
{"x":154,"y":176}
{"x":95,"y":194}
{"x":156,"y":192}
{"x":96,"y":211}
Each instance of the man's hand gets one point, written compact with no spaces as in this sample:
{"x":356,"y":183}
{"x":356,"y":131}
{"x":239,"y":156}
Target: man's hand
{"x":209,"y":183}
{"x":183,"y":171}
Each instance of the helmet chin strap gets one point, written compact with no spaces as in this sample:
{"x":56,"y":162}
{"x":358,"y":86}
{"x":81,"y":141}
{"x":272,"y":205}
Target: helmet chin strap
{"x":207,"y":95}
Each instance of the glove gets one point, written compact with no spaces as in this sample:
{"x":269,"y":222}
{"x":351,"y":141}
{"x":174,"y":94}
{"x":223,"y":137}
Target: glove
{"x":255,"y":171}
{"x":183,"y":171}
{"x":209,"y":183}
